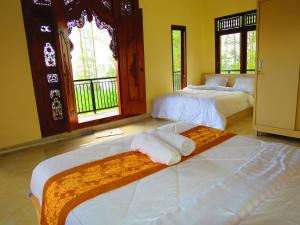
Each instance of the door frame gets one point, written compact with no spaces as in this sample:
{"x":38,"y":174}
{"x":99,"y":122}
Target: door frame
{"x":183,"y":71}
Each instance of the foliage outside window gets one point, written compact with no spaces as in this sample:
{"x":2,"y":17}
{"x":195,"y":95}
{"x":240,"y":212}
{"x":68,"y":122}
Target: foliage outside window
{"x":251,"y":51}
{"x":91,"y":56}
{"x":230,"y":53}
{"x":176,"y":39}
{"x":179,"y":57}
{"x":94,"y":70}
{"x":236,"y":43}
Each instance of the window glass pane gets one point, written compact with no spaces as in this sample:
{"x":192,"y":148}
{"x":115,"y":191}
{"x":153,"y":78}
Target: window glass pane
{"x":251,"y":52}
{"x":92,"y":56}
{"x":176,"y":37}
{"x":230,"y":53}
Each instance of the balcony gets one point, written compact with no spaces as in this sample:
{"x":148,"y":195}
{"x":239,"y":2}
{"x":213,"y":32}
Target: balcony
{"x":96,"y":98}
{"x":176,"y":81}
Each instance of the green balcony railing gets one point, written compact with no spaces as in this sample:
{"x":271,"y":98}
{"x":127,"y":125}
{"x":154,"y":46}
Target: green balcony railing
{"x":177,"y":81}
{"x":93,"y":95}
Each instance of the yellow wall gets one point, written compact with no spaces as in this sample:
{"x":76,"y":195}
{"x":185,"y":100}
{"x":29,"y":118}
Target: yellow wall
{"x":212,"y":10}
{"x":198,"y":17}
{"x":18,"y":115}
{"x":158,"y":17}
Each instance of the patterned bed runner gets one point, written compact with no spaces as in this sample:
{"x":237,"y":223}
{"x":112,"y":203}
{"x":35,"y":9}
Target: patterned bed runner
{"x":66,"y":190}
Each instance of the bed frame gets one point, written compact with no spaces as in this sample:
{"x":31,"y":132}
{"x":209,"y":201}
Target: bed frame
{"x":239,"y":116}
{"x":231,"y":79}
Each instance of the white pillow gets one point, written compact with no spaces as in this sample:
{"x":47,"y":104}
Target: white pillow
{"x":245,"y":84}
{"x":216,"y":81}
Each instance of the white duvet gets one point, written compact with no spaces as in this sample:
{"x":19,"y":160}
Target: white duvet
{"x":240,"y":181}
{"x":202,"y":105}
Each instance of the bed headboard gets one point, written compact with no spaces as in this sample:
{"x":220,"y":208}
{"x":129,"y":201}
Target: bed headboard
{"x":231,"y":77}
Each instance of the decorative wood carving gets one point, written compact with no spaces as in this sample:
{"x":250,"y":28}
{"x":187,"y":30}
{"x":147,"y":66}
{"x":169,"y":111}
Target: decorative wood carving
{"x":41,"y":40}
{"x":49,"y":55}
{"x":107,"y":4}
{"x":46,"y":29}
{"x":131,"y":64}
{"x":42,"y":2}
{"x":52,"y":78}
{"x":84,"y":17}
{"x":48,"y":24}
{"x":126,"y":7}
{"x":236,"y":23}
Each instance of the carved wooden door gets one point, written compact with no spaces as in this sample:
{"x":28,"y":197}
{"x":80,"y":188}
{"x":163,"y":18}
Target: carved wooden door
{"x":63,"y":46}
{"x":41,"y":41}
{"x":48,"y":25}
{"x":131,"y":62}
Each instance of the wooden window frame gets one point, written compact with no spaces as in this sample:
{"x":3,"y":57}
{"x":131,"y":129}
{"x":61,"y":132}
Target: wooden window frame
{"x":183,"y":71}
{"x":242,"y":28}
{"x":55,"y":97}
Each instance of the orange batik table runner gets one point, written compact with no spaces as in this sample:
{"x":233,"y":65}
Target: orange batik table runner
{"x":66,"y":190}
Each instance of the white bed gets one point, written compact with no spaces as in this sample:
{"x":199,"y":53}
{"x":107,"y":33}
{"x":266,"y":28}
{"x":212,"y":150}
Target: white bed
{"x":241,"y":181}
{"x":200,"y":106}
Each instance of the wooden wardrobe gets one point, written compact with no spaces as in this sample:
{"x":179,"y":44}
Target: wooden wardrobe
{"x":277,"y":108}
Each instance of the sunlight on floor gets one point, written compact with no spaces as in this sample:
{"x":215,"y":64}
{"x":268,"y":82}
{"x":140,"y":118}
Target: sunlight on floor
{"x":100,"y":115}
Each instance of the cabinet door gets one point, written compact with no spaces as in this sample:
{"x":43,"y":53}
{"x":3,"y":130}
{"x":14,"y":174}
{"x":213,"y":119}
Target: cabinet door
{"x":278,"y":54}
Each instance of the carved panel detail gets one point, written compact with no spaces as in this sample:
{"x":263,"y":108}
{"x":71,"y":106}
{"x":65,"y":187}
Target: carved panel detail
{"x":46,"y":29}
{"x":42,"y":2}
{"x":67,"y":2}
{"x":107,"y":4}
{"x":126,"y":7}
{"x":49,"y":55}
{"x":80,"y":22}
{"x":54,"y":93}
{"x":52,"y":78}
{"x":57,"y":109}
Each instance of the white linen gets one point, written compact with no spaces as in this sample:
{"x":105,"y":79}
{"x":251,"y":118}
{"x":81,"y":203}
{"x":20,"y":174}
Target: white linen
{"x":216,"y":88}
{"x":183,"y":144}
{"x":216,"y":81}
{"x":221,"y":186}
{"x":156,"y":149}
{"x":203,"y":107}
{"x":244,"y":84}
{"x":281,"y":208}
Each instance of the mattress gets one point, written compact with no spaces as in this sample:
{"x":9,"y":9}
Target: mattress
{"x":202,"y":107}
{"x":231,"y":183}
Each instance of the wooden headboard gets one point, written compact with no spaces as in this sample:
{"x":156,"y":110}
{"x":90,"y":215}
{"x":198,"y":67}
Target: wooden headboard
{"x":230,"y":76}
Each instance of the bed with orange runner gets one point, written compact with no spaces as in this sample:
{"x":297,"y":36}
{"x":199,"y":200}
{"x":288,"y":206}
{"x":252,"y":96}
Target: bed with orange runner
{"x":109,"y":184}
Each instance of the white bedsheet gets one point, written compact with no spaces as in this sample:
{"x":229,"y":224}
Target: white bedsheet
{"x":201,"y":106}
{"x":225,"y":185}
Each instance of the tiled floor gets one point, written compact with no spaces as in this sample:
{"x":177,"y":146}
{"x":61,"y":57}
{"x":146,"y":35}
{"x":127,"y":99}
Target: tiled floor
{"x":16,"y":168}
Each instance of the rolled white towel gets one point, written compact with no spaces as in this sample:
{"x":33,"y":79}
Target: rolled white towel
{"x":183,"y":144}
{"x":157,"y":150}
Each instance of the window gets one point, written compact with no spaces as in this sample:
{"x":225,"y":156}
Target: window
{"x":179,"y":57}
{"x":230,"y":53}
{"x":107,"y":61}
{"x":236,"y":43}
{"x":251,"y":51}
{"x":94,"y":72}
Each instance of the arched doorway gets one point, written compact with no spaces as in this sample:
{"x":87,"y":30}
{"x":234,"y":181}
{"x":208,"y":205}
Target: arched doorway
{"x":94,"y":69}
{"x":48,"y":27}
